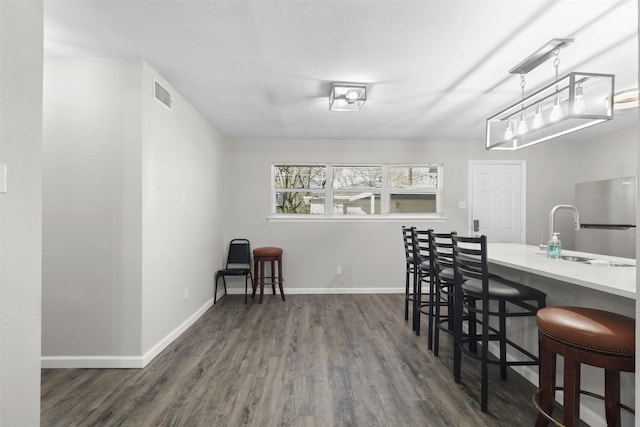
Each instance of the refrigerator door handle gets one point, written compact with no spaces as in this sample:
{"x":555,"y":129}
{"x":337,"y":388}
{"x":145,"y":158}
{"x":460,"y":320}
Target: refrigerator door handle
{"x":608,"y":226}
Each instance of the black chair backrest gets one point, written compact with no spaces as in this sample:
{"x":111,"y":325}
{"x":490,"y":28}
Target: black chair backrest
{"x":470,"y":258}
{"x":239,"y":252}
{"x":407,"y":239}
{"x":441,"y":250}
{"x":420,"y":241}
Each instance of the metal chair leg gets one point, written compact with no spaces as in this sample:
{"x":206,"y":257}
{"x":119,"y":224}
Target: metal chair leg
{"x":215,"y":290}
{"x":246,"y":279}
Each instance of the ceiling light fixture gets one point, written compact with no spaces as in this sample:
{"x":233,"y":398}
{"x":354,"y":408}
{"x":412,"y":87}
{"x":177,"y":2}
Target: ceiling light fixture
{"x":347,"y":96}
{"x":568,"y":104}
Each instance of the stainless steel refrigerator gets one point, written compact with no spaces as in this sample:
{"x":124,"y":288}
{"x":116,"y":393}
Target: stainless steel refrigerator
{"x":607,"y":216}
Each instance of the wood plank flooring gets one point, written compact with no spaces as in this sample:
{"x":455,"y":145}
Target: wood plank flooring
{"x":314,"y":360}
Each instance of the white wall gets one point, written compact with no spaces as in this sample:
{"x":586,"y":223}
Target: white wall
{"x":132,"y":214}
{"x":182,"y":212}
{"x":371,"y":252}
{"x":92,"y":216}
{"x":20,"y":211}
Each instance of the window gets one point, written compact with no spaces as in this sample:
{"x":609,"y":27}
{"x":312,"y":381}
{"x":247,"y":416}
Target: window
{"x":363,"y":190}
{"x":299,"y":189}
{"x":357,"y":190}
{"x":413,"y":189}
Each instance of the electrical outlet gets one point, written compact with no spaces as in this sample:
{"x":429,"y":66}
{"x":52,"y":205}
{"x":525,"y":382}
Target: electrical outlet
{"x":186,"y":294}
{"x":339,"y":270}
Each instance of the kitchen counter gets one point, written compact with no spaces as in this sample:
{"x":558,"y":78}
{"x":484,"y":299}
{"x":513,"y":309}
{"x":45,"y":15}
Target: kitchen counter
{"x":620,"y":281}
{"x":568,"y":283}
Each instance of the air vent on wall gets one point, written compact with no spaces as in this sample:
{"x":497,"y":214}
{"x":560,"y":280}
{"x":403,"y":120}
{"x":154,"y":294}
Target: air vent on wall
{"x":162,"y":94}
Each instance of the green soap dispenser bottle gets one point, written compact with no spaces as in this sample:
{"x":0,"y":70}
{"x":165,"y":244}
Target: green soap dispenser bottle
{"x":554,"y":249}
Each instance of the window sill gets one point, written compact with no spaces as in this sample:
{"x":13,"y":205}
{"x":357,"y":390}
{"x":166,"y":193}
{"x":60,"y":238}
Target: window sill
{"x":355,"y":218}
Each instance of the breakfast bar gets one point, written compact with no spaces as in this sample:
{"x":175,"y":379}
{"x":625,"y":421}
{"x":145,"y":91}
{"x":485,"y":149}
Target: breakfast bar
{"x":581,"y":279}
{"x":611,"y":275}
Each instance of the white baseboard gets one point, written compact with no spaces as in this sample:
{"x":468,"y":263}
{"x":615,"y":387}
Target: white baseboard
{"x":169,"y":338}
{"x":123,"y":362}
{"x":90,"y":362}
{"x":320,"y":291}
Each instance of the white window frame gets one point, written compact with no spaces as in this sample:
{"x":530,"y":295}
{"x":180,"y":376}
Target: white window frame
{"x":437,"y":191}
{"x":385,"y":194}
{"x":275,"y":190}
{"x":332,"y":190}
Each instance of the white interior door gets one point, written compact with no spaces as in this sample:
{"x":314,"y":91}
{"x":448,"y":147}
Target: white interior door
{"x":497,"y":194}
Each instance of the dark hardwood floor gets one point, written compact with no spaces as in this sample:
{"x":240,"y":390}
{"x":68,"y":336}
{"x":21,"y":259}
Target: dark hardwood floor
{"x":314,"y":360}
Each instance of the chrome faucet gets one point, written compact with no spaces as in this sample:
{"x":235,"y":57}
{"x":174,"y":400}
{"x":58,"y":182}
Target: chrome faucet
{"x":552,"y":215}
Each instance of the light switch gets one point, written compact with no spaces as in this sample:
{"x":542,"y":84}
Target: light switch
{"x":3,"y":178}
{"x":462,"y":205}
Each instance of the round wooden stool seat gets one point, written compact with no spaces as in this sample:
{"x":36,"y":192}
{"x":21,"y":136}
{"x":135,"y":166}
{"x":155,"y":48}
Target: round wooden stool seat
{"x":582,"y":335}
{"x":271,"y":255}
{"x":267,"y":251}
{"x":589,"y":328}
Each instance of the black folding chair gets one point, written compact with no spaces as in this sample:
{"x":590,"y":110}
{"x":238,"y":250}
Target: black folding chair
{"x":238,"y":264}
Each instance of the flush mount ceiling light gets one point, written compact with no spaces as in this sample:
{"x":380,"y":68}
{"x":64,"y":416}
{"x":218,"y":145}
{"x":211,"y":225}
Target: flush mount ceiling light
{"x":568,"y":104}
{"x":347,"y":96}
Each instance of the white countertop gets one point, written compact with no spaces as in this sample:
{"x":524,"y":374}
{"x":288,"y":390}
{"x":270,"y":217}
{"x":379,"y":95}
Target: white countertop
{"x":619,"y":281}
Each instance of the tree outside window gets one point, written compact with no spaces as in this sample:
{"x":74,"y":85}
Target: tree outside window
{"x":290,"y":182}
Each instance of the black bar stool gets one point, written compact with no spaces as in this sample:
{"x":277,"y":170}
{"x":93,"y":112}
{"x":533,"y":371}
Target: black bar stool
{"x":411,"y":275}
{"x":423,"y":268}
{"x":443,"y":277}
{"x":474,"y":284}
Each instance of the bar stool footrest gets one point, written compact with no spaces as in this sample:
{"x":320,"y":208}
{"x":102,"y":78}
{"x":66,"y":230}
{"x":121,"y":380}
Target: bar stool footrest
{"x":536,"y":395}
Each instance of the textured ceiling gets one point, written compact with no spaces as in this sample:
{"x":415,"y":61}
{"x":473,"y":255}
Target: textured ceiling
{"x":434,"y":69}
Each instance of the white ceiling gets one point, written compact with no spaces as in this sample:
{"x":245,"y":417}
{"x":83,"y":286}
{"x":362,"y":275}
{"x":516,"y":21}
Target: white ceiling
{"x":435,"y":69}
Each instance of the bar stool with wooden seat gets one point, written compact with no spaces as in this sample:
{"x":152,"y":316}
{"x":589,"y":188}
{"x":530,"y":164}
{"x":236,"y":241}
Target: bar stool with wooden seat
{"x":583,"y":335}
{"x":264,"y":255}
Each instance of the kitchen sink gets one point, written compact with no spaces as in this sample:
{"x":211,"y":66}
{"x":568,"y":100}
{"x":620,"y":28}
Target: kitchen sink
{"x":576,"y":258}
{"x":593,"y":261}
